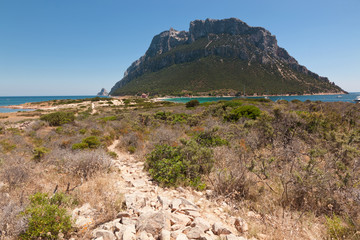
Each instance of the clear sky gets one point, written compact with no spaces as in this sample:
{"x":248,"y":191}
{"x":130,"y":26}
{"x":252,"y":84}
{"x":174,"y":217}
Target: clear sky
{"x":76,"y":47}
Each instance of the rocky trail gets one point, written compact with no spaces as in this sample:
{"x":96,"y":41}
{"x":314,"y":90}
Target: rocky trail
{"x":153,"y":212}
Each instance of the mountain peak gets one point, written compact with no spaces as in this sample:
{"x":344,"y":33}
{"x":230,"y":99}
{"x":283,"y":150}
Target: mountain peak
{"x":227,"y":39}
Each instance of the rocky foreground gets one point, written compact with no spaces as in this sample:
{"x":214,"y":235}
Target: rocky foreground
{"x":153,"y":212}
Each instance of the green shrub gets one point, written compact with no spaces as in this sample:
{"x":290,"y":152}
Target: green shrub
{"x":109,"y":118}
{"x":82,"y":131}
{"x":39,"y":153}
{"x":131,"y":149}
{"x":113,"y":155}
{"x":7,"y":146}
{"x":209,"y":139}
{"x":192,"y":103}
{"x":59,"y":130}
{"x":247,"y":111}
{"x":91,"y":142}
{"x":232,"y":104}
{"x":47,"y":216}
{"x":58,"y":118}
{"x":162,"y":115}
{"x":337,"y":229}
{"x":166,"y":165}
{"x":185,"y":165}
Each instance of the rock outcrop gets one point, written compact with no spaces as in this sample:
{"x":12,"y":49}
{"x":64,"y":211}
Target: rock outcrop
{"x":225,"y":39}
{"x":103,"y":92}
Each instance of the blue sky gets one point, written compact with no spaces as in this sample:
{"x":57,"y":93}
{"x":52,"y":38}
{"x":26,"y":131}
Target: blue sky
{"x":67,"y":47}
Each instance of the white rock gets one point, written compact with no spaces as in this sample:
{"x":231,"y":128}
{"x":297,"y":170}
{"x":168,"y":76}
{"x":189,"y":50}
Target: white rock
{"x":201,"y":224}
{"x":82,"y":222}
{"x":192,"y":212}
{"x":176,"y":227}
{"x":138,"y":183}
{"x":219,"y":229}
{"x":123,"y":214}
{"x":187,"y":203}
{"x":152,"y":222}
{"x":182,"y":236}
{"x":165,"y":202}
{"x":231,"y":237}
{"x":129,"y":233}
{"x":175,"y":204}
{"x":83,"y":216}
{"x":194,"y":233}
{"x":181,"y":219}
{"x":135,"y":200}
{"x":241,"y":225}
{"x":164,"y":235}
{"x":105,"y":234}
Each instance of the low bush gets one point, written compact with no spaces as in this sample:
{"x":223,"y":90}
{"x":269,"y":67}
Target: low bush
{"x":210,"y":139}
{"x":192,"y":103}
{"x":91,"y":142}
{"x":58,"y":118}
{"x":247,"y":111}
{"x":47,"y":217}
{"x":166,"y":165}
{"x":184,"y":165}
{"x":6,"y":146}
{"x":338,"y":229}
{"x":14,"y":174}
{"x":12,"y":224}
{"x":86,"y":164}
{"x":39,"y":153}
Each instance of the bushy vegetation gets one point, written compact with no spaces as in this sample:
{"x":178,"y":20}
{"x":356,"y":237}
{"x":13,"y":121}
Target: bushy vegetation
{"x":247,"y":111}
{"x":192,"y":103}
{"x":275,"y":159}
{"x":91,"y":142}
{"x":47,"y":216}
{"x":58,"y":118}
{"x":185,"y":165}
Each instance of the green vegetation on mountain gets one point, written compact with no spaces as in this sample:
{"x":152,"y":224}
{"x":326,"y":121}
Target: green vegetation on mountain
{"x":218,"y":57}
{"x":214,"y":73}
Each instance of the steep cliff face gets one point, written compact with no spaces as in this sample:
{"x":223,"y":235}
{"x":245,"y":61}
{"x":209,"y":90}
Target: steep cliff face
{"x":224,"y":39}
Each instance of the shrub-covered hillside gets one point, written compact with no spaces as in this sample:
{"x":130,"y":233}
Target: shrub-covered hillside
{"x":293,"y":163}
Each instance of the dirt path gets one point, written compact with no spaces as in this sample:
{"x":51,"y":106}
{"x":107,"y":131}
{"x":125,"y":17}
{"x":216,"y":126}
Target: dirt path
{"x":153,"y":212}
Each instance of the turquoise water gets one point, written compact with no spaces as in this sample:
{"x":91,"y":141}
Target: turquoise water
{"x":324,"y":98}
{"x":6,"y":101}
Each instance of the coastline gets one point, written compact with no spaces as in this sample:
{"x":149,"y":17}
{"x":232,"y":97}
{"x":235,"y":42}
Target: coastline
{"x":266,"y":95}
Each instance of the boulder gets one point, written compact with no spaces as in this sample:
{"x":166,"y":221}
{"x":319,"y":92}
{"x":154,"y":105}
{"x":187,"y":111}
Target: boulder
{"x":164,"y":235}
{"x":201,"y":224}
{"x":178,"y":218}
{"x":175,"y":204}
{"x":241,"y":225}
{"x":145,"y":236}
{"x":194,"y":233}
{"x":219,"y":229}
{"x":129,"y":233}
{"x":165,"y":202}
{"x":105,"y":234}
{"x":182,"y":236}
{"x":153,"y":222}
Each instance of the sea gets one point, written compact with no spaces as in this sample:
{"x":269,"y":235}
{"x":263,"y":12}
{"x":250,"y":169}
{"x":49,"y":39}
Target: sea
{"x":324,"y":98}
{"x":6,"y":101}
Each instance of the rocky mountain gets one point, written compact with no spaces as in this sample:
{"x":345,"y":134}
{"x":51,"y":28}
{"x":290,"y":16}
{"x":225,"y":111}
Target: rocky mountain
{"x":103,"y":92}
{"x":219,"y":56}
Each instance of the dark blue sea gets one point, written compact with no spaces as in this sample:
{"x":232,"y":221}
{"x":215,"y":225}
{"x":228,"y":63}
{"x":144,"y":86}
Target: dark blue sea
{"x":6,"y":101}
{"x":324,"y":98}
